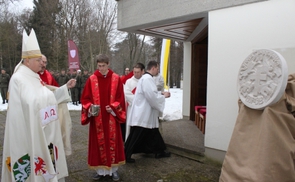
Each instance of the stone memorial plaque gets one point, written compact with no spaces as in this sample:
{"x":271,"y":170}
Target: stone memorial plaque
{"x":262,"y":79}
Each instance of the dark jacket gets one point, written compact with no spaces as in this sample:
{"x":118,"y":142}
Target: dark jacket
{"x":4,"y":80}
{"x":83,"y":80}
{"x":78,"y":82}
{"x":62,"y":79}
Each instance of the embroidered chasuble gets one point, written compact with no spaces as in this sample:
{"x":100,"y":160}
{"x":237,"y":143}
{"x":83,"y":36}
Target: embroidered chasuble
{"x":33,"y":148}
{"x":65,"y":121}
{"x":63,"y":112}
{"x":105,"y":148}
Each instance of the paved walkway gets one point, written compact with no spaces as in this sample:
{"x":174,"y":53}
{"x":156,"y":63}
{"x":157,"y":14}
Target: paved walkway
{"x":179,"y":135}
{"x":183,"y":137}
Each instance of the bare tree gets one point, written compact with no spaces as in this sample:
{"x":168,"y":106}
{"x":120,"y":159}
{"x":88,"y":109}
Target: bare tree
{"x":10,"y":38}
{"x":90,"y":24}
{"x":175,"y":63}
{"x":157,"y":45}
{"x":130,"y":51}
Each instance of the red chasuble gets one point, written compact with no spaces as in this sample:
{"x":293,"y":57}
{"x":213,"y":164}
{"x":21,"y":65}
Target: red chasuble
{"x":106,"y":147}
{"x":124,"y":78}
{"x":47,"y":78}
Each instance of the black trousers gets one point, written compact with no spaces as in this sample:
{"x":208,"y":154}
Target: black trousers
{"x":123,"y":130}
{"x":144,"y":140}
{"x":4,"y":94}
{"x":74,"y":94}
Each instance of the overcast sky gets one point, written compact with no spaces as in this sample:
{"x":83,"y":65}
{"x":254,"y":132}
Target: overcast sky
{"x":27,"y":3}
{"x":22,"y":4}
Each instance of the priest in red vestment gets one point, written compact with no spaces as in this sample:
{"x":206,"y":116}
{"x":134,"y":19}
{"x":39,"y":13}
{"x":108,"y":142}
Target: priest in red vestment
{"x":106,"y":148}
{"x":124,"y":78}
{"x":45,"y":75}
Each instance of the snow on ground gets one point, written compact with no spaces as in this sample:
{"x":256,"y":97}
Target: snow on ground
{"x":173,"y":105}
{"x":172,"y":111}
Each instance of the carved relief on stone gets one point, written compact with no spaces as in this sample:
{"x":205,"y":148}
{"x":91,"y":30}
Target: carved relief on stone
{"x":262,"y":79}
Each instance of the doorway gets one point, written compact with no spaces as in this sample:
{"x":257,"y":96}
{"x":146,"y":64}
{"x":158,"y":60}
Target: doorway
{"x":199,"y":73}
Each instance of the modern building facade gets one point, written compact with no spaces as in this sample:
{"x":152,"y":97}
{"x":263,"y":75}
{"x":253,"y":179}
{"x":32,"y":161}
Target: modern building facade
{"x":218,"y":35}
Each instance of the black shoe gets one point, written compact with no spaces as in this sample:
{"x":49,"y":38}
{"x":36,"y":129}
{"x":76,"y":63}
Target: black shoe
{"x":115,"y":176}
{"x":162,"y":154}
{"x":130,"y":160}
{"x":96,"y":177}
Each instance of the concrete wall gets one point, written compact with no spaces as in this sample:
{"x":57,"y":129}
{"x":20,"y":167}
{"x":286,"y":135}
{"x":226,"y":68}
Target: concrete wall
{"x":187,"y":59}
{"x":233,"y":34}
{"x":134,"y":14}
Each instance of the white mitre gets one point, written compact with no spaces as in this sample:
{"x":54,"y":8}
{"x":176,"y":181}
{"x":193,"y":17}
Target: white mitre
{"x":25,"y":39}
{"x":30,"y":47}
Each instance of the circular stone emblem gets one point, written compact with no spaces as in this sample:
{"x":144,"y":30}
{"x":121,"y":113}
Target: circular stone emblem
{"x":262,"y":79}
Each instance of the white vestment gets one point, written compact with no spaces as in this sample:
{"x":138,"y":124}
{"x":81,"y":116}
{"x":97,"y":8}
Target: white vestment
{"x":160,"y":86}
{"x":32,"y":127}
{"x":147,"y":104}
{"x":159,"y":82}
{"x":129,"y":86}
{"x":65,"y":122}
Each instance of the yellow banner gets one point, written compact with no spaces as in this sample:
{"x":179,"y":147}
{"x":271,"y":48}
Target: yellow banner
{"x":165,"y":61}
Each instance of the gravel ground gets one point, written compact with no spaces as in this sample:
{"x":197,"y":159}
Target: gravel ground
{"x":146,"y":168}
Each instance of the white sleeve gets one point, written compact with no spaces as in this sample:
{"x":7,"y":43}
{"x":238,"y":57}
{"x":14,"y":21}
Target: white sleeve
{"x":160,"y":84}
{"x":62,"y":94}
{"x":155,"y":100}
{"x":129,"y":96}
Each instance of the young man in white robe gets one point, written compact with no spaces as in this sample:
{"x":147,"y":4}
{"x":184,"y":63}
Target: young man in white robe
{"x":144,"y":134}
{"x":159,"y":82}
{"x":33,"y":148}
{"x":160,"y":86}
{"x":130,"y":88}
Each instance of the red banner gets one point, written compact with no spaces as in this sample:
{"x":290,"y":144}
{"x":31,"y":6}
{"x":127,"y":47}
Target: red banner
{"x":73,"y":56}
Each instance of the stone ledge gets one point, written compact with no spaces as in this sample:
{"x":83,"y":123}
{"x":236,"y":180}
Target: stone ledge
{"x":199,"y":157}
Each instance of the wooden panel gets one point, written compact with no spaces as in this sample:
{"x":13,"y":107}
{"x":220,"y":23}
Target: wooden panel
{"x":180,"y":30}
{"x":202,"y":36}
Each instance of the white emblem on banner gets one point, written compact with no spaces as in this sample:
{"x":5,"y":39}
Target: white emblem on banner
{"x":73,"y":53}
{"x":48,"y":114}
